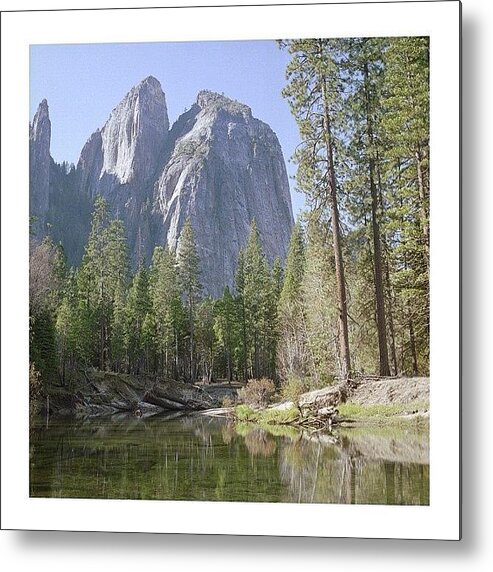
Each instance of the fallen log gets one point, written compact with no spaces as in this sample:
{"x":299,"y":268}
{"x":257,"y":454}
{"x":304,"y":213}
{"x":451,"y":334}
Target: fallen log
{"x":178,"y":396}
{"x":160,"y":401}
{"x":327,"y":412}
{"x":326,"y":397}
{"x":218,"y":412}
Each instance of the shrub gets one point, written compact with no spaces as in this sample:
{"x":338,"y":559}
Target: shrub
{"x":295,"y":386}
{"x":279,"y":416}
{"x":227,"y":401}
{"x":35,"y":391}
{"x":244,"y":413}
{"x":257,"y":392}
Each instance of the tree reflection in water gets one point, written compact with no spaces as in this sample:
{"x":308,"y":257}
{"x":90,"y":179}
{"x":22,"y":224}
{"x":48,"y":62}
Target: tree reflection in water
{"x":198,"y":458}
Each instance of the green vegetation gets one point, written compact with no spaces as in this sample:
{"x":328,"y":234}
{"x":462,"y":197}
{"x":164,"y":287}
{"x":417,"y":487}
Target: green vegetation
{"x":244,"y":428}
{"x":279,"y":416}
{"x":270,"y":416}
{"x":244,"y":412}
{"x":381,"y":411}
{"x":295,"y":386}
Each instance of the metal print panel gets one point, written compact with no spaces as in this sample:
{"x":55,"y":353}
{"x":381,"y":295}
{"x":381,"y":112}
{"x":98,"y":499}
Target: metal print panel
{"x":232,"y":244}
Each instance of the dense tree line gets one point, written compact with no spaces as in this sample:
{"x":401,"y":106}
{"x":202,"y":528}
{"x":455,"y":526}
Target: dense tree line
{"x":353,"y":295}
{"x":362,"y":107}
{"x":156,"y":321}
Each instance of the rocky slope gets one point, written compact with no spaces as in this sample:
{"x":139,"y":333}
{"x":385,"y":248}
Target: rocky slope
{"x":95,"y":393}
{"x":217,"y":165}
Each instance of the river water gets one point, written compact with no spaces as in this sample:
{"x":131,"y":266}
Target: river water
{"x":202,"y":458}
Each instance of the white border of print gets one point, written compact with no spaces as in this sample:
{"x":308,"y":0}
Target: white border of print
{"x":440,"y":21}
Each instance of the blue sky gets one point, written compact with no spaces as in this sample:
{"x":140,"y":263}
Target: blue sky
{"x":84,"y":82}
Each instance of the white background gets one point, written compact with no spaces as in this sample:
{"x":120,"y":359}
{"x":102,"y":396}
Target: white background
{"x":80,"y":551}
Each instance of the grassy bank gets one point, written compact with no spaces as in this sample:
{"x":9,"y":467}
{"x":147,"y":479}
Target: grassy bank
{"x":382,"y":411}
{"x":385,"y":401}
{"x":349,"y":414}
{"x":270,"y":416}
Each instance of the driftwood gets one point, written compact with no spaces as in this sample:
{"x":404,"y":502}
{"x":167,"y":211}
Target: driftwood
{"x":318,"y":409}
{"x":218,"y":412}
{"x":319,"y":419}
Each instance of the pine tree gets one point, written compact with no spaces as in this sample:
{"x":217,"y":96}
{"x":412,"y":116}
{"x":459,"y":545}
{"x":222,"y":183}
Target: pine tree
{"x":320,"y":325}
{"x":226,"y":329}
{"x":277,"y":278}
{"x":188,"y":265}
{"x":242,"y":351}
{"x":364,"y":69}
{"x":67,"y":328}
{"x":137,"y":308}
{"x":120,"y":333}
{"x":258,"y":306}
{"x":291,"y":355}
{"x":103,"y":277}
{"x":206,"y":342}
{"x":168,"y":313}
{"x":314,"y":93}
{"x":406,"y":120}
{"x":295,"y":268}
{"x":405,"y":126}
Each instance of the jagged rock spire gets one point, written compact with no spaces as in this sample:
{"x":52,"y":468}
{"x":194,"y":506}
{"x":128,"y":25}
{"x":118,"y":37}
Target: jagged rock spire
{"x":218,"y":165}
{"x":39,"y":167}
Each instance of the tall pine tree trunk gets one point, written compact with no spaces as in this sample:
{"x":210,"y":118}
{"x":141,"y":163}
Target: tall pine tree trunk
{"x":244,"y":332}
{"x":336,"y":241}
{"x":377,"y":247}
{"x":228,"y":365}
{"x":422,"y":191}
{"x":391,"y":318}
{"x":192,"y":368}
{"x":388,"y":286}
{"x":412,"y":340}
{"x":177,"y":356}
{"x":424,"y":215}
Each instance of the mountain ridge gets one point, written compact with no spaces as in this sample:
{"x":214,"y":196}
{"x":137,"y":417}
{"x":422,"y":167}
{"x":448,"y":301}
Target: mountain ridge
{"x":217,"y":165}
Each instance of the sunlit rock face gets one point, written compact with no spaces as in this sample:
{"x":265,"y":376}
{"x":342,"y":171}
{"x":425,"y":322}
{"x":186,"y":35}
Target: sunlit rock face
{"x":129,"y":146}
{"x":133,"y":138}
{"x":122,"y":160}
{"x":218,"y":165}
{"x":225,"y":169}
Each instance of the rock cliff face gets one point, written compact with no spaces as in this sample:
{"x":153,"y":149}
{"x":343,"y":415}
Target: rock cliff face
{"x":129,"y":146}
{"x":218,"y":166}
{"x":39,"y":166}
{"x":122,"y":160}
{"x":226,"y":168}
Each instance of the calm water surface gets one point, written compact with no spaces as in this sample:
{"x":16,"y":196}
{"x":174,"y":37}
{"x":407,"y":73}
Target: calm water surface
{"x":200,"y":458}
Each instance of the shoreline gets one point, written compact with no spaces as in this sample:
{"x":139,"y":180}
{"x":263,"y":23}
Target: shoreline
{"x":366,"y":401}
